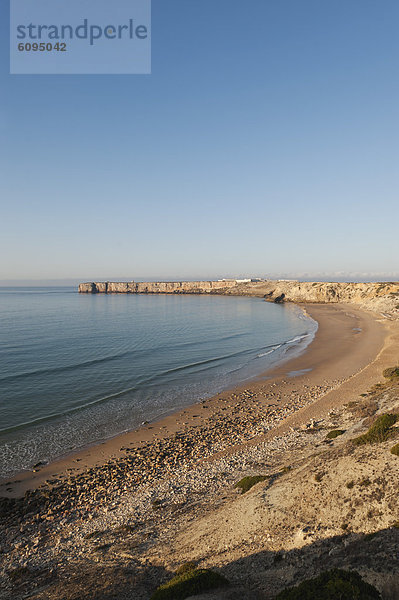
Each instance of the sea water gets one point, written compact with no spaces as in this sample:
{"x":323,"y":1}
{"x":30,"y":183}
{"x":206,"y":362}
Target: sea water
{"x":77,"y":369}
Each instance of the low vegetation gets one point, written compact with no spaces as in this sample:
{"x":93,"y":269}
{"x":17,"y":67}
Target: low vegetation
{"x":124,"y":529}
{"x":391,"y":373}
{"x":332,"y":585}
{"x":186,"y":568}
{"x":365,"y":482}
{"x":189,"y":581}
{"x":380,"y":431}
{"x":18,"y":573}
{"x":331,"y":435}
{"x":246,"y":483}
{"x":362,"y":409}
{"x":395,"y":449}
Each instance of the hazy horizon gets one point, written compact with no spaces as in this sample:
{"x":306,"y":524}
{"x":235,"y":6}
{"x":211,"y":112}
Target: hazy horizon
{"x":354,"y":277}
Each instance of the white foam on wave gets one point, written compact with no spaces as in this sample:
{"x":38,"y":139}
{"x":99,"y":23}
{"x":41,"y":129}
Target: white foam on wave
{"x":298,"y":338}
{"x":294,"y":340}
{"x":269,"y":351}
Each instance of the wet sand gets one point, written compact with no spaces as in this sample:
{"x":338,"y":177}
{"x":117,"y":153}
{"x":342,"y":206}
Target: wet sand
{"x":348,"y":341}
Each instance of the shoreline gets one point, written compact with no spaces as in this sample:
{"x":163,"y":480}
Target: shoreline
{"x":282,"y":351}
{"x":348,"y":340}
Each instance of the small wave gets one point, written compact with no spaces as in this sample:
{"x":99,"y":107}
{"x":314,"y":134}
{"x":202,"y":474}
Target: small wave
{"x":68,"y":412}
{"x":139,"y":385}
{"x":298,"y":338}
{"x":154,"y":379}
{"x":104,"y":359}
{"x":273,"y":349}
{"x":65,"y":368}
{"x":201,"y":363}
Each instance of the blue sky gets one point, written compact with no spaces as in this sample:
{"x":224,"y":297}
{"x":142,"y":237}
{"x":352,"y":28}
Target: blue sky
{"x":265,"y":141}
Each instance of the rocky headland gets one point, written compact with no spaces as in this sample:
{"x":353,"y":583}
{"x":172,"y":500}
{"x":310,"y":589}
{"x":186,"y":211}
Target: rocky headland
{"x":382,"y":296}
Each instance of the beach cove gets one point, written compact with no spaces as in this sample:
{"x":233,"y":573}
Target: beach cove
{"x":144,"y":496}
{"x":347,"y":340}
{"x":77,"y":370}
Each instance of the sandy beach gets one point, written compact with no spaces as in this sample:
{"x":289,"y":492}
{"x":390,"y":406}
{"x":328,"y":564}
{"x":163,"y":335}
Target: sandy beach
{"x":347,"y":341}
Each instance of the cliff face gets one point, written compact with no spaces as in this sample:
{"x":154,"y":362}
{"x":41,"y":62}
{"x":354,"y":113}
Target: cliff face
{"x":374,"y":296}
{"x":157,"y":287}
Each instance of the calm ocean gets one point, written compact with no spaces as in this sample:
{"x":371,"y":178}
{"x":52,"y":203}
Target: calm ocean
{"x":76,"y":369}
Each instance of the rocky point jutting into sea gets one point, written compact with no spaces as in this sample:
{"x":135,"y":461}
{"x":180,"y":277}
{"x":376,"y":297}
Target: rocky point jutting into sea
{"x":382,"y":296}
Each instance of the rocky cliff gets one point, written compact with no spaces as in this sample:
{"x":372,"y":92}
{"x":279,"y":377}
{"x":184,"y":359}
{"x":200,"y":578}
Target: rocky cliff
{"x":156,"y":287}
{"x":374,"y":296}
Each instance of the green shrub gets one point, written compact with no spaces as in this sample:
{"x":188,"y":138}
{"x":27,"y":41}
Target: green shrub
{"x":332,"y":585}
{"x":246,"y":483}
{"x":18,"y":574}
{"x":186,"y":568}
{"x":395,"y":449}
{"x":195,"y":581}
{"x":391,"y":373}
{"x":379,"y":432}
{"x":331,"y":435}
